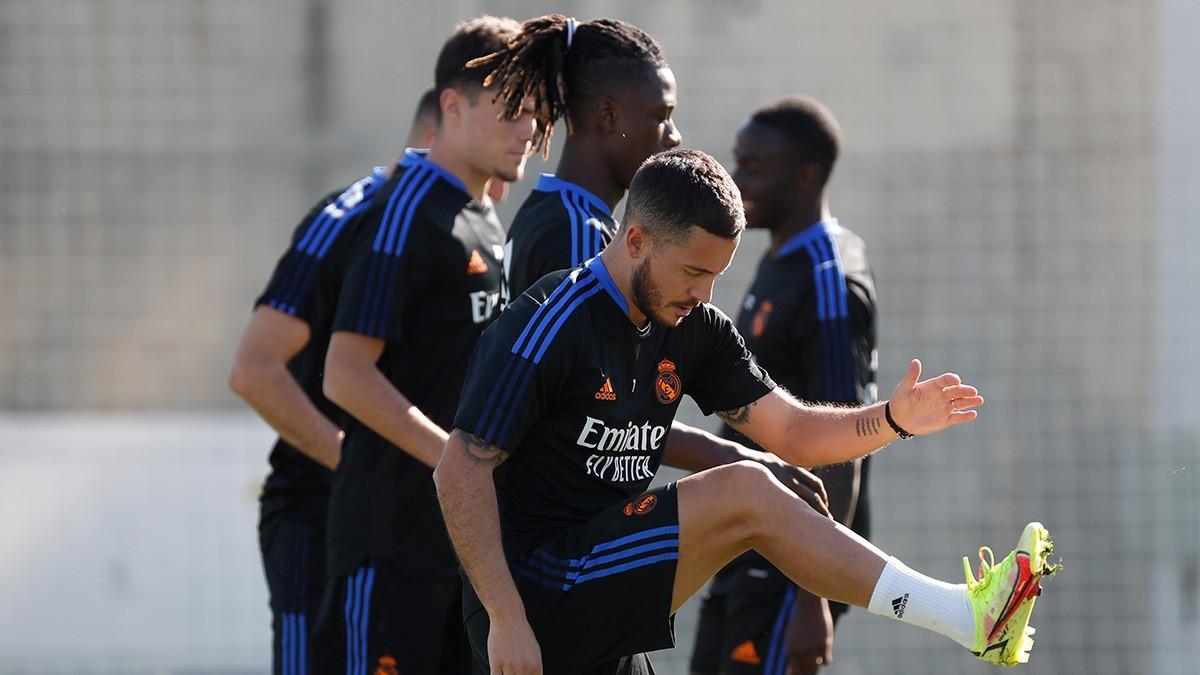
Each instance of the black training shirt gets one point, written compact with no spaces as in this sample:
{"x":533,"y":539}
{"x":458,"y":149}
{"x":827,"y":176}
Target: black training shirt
{"x":809,"y":316}
{"x":305,"y":284}
{"x":583,"y":399}
{"x":425,"y":278}
{"x":559,"y":226}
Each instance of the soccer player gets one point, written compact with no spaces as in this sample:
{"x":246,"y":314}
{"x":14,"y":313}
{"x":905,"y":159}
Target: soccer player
{"x":618,"y":95}
{"x":573,"y":566}
{"x":809,"y":320}
{"x":278,"y":371}
{"x":424,"y":282}
{"x":611,"y":83}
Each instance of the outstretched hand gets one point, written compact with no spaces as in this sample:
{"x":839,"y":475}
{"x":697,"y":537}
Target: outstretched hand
{"x":930,"y":406}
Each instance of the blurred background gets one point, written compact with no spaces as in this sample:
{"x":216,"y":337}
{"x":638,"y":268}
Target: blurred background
{"x":1026,"y":176}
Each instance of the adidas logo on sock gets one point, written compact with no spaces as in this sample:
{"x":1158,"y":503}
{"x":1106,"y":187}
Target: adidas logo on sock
{"x":899,"y":604}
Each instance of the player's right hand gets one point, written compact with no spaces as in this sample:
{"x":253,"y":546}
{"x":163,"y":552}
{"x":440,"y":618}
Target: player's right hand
{"x":809,"y":635}
{"x":513,"y":649}
{"x":804,"y":483}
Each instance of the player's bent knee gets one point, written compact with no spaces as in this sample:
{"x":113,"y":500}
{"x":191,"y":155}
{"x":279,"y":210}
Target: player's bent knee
{"x":751,"y":486}
{"x":743,"y":475}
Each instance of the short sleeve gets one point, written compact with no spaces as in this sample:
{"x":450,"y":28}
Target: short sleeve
{"x":290,"y":289}
{"x":509,"y":387}
{"x":728,"y":376}
{"x":384,"y":274}
{"x":833,"y":359}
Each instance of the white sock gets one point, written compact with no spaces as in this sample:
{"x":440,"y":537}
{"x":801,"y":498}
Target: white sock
{"x":913,"y":598}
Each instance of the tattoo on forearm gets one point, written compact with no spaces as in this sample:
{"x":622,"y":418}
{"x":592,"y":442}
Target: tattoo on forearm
{"x":867,"y":426}
{"x":481,"y":451}
{"x":737,"y":415}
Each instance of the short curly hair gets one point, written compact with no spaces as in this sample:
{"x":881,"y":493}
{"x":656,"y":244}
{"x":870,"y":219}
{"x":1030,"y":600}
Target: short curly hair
{"x":681,"y":188}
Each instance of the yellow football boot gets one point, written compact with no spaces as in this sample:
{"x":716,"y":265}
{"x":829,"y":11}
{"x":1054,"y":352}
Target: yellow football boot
{"x":1003,"y":597}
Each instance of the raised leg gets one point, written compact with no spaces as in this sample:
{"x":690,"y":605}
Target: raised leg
{"x":728,"y":510}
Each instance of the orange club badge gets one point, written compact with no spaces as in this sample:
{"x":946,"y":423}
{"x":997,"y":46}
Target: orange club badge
{"x":641,"y":506}
{"x":667,"y":385}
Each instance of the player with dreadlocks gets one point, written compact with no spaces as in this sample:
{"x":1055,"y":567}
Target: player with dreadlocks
{"x":611,"y":85}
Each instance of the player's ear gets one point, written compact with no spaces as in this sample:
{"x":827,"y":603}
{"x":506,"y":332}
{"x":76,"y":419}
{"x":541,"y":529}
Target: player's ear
{"x":637,"y":241}
{"x":453,"y":104}
{"x":809,"y":177}
{"x":606,"y":111}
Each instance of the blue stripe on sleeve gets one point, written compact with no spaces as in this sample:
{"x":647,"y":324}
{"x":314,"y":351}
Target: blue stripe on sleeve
{"x":515,"y":365}
{"x":519,"y":395}
{"x":588,"y":229}
{"x":388,"y":247}
{"x":505,"y":373}
{"x":524,"y":370}
{"x":594,"y":289}
{"x":391,"y":262}
{"x":318,"y":237}
{"x":527,"y":352}
{"x":566,"y":200}
{"x":557,"y":311}
{"x":563,"y":287}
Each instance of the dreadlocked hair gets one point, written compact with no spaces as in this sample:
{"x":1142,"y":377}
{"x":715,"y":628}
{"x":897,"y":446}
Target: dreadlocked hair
{"x":538,"y":64}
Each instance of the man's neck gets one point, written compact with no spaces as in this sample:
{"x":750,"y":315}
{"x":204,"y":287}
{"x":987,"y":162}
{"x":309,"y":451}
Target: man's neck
{"x":579,"y":166}
{"x":444,"y":155}
{"x":798,"y":221}
{"x":620,"y":268}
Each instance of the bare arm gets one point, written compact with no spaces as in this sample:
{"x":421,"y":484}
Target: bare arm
{"x":693,"y":449}
{"x":468,"y":498}
{"x":812,"y":435}
{"x":841,"y":484}
{"x":353,"y":381}
{"x":260,"y":376}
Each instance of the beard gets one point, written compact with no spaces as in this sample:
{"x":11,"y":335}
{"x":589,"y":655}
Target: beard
{"x":646,"y":296}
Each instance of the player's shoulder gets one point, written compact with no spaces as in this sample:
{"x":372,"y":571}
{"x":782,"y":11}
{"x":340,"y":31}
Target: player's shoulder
{"x":415,"y":200}
{"x":544,"y":314}
{"x":542,"y":295}
{"x":314,"y":212}
{"x":851,"y":248}
{"x":541,"y":214}
{"x":707,"y":319}
{"x":325,"y":220}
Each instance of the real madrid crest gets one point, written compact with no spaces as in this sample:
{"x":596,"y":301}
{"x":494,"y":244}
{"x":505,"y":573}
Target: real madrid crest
{"x":667,"y":385}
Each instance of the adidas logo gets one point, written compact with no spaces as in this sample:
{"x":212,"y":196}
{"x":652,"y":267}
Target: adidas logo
{"x":606,"y":392}
{"x":476,"y":264}
{"x":898,"y":605}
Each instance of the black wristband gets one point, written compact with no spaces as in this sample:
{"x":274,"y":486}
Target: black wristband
{"x":887,"y":413}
